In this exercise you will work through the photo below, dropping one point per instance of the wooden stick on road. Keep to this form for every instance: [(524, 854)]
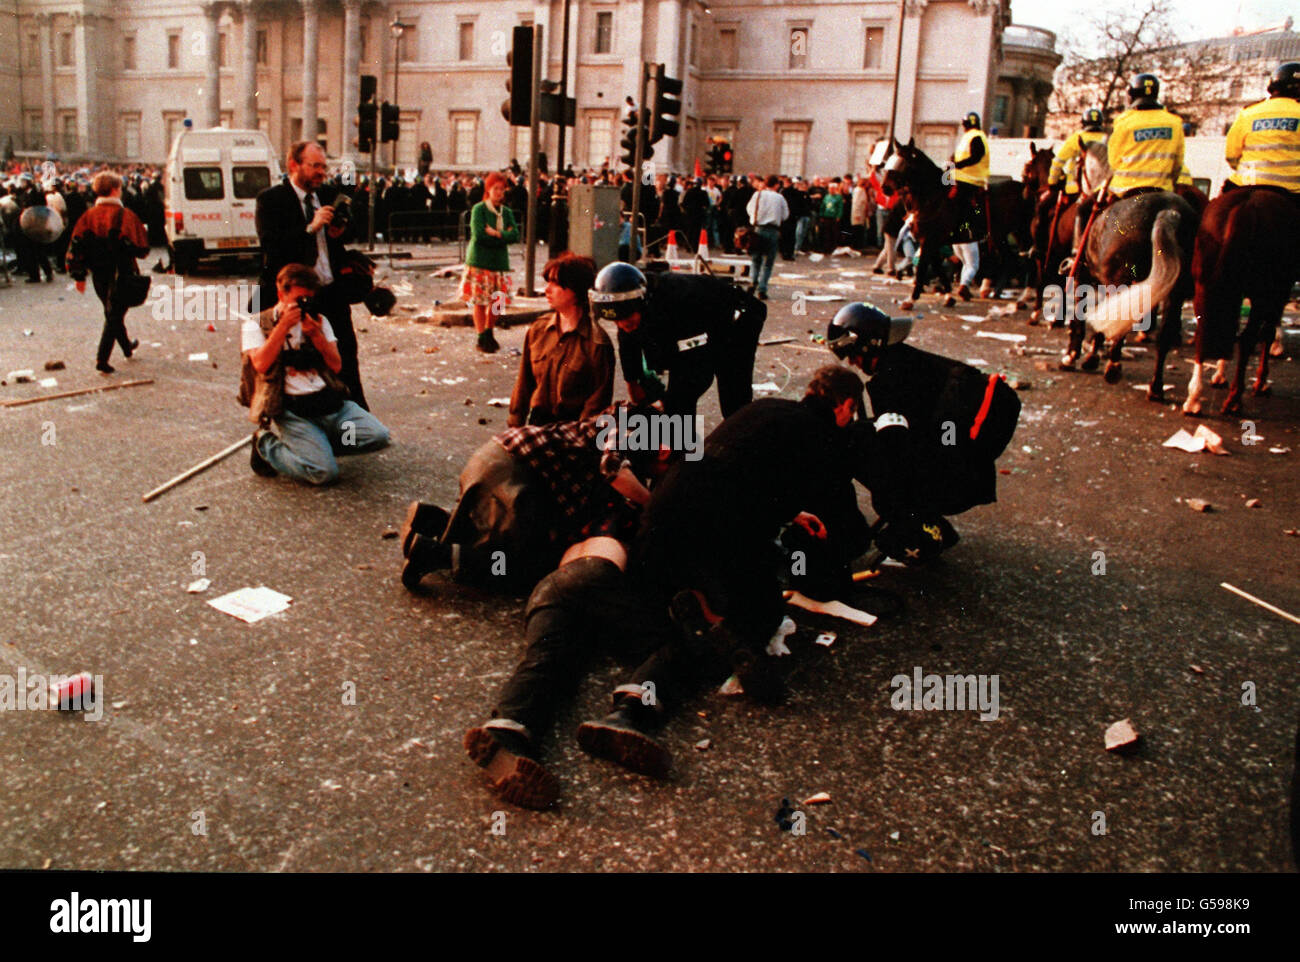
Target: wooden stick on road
[(84, 390), (201, 466), (1259, 601)]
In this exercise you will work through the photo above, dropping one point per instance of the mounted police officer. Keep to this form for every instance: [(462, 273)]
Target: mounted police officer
[(1067, 166), (937, 427), (694, 326), (1263, 147), (1145, 151), (971, 175)]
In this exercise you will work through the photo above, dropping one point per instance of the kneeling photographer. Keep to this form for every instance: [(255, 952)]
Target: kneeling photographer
[(291, 386)]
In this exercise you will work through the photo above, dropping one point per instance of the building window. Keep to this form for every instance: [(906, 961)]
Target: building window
[(262, 58), (466, 41), (33, 50), (1234, 90), (693, 45), (223, 50), (365, 41), (464, 133), (408, 45), (65, 50), (131, 136), (35, 130), (798, 48), (873, 56), (604, 32), (128, 52), (728, 53), (173, 123), (863, 142), (519, 144), (1000, 105), (68, 130), (600, 140), (791, 144), (173, 50), (936, 140)]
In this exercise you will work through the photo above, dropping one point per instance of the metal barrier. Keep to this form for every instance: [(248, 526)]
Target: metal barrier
[(417, 224)]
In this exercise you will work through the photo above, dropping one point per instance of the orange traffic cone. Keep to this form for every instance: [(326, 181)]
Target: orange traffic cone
[(672, 245), (703, 249)]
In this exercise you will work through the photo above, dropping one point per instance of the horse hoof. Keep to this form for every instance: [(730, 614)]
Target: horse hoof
[(1090, 362), (1034, 318), (1057, 324), (1113, 373), (964, 292), (986, 288), (949, 301), (1067, 362), (1216, 381), (1140, 337), (906, 305), (1153, 395), (1262, 390), (1232, 406), (1192, 408)]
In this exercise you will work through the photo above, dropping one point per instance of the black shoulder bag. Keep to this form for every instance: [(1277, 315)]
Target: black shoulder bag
[(129, 288)]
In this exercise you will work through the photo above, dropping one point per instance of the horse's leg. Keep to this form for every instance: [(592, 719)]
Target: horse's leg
[(918, 282), (1268, 307), (1168, 337), (1114, 361), (1220, 376), (1092, 359)]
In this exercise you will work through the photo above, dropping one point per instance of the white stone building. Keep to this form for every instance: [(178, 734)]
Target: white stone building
[(797, 87)]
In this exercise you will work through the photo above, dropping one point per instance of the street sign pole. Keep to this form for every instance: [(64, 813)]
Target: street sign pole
[(530, 233), (635, 247)]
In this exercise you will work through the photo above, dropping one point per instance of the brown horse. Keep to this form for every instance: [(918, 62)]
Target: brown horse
[(1248, 246), (1147, 236)]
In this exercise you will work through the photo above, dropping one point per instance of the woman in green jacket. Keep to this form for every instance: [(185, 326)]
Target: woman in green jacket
[(486, 282)]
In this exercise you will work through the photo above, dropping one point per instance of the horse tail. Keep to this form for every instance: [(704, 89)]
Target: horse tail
[(1116, 314)]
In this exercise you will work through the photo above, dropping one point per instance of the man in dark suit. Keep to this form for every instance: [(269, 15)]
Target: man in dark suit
[(294, 226)]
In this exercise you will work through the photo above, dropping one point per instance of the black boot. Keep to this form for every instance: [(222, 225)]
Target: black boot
[(426, 519), (426, 555), (619, 738), (507, 757)]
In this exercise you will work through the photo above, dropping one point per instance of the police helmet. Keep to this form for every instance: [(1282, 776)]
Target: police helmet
[(971, 121), (1145, 86), (1092, 119), (863, 330), (1285, 81), (619, 292)]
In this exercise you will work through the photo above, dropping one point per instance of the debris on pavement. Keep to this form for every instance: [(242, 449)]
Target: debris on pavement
[(198, 587), (1120, 734), (731, 686), (200, 356), (54, 365), (821, 798), (825, 639), (1001, 336), (251, 605), (1196, 504), (21, 377), (1253, 503), (703, 745), (1259, 601), (498, 402)]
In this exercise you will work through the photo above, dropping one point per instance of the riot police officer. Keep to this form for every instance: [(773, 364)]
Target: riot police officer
[(694, 326), (971, 173), (1067, 165), (1263, 146)]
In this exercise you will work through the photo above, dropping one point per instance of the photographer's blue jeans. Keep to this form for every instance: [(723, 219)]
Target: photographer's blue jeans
[(308, 448), (800, 232), (763, 257)]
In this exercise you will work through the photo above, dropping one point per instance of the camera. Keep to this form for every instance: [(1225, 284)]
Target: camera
[(308, 307), (342, 210)]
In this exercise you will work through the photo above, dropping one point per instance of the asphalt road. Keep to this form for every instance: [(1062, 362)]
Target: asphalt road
[(228, 746)]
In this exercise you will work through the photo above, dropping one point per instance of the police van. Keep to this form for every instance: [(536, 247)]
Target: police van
[(213, 179)]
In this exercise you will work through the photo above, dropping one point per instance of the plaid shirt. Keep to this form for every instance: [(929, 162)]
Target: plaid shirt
[(566, 457)]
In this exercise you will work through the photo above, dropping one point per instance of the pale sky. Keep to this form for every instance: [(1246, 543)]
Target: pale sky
[(1199, 19)]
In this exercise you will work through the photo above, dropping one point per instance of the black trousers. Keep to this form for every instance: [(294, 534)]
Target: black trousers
[(728, 356), (339, 312), (114, 320), (580, 610)]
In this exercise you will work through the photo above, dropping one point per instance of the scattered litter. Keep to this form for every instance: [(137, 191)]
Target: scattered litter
[(1279, 450), (119, 704), (783, 813), (840, 286), (1120, 734), (1196, 504), (1007, 311), (1293, 532), (1213, 443), (252, 604), (863, 852), (1002, 336), (330, 785), (75, 693), (816, 258), (1203, 440), (1024, 350), (853, 274), (823, 298), (1259, 601), (834, 834), (1197, 668), (1018, 384), (825, 639), (454, 380), (48, 382), (836, 609), (821, 798), (499, 402), (201, 356), (431, 349), (845, 251), (767, 386), (1253, 503), (775, 340), (389, 535), (1087, 424), (776, 645), (977, 362), (198, 587), (973, 318), (703, 745), (894, 835), (27, 332), (21, 377), (731, 686), (790, 276), (54, 365)]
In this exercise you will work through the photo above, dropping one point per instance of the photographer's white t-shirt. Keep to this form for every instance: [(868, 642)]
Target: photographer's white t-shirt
[(295, 382)]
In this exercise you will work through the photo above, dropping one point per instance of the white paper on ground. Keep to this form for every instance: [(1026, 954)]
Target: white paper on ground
[(836, 609), (252, 604), (791, 276), (823, 297), (1184, 441), (840, 286), (977, 362), (766, 386), (973, 318), (498, 402), (49, 382), (202, 356), (1000, 336), (198, 587)]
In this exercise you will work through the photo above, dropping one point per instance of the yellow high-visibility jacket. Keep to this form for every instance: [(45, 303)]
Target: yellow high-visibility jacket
[(1067, 165), (1263, 145), (1146, 150), (978, 172)]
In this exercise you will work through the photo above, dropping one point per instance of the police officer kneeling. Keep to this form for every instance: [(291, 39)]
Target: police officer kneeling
[(694, 326), (938, 427)]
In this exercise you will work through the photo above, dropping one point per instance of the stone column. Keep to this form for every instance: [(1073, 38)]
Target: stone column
[(210, 103), (88, 121), (668, 53), (247, 115), (310, 56), (351, 75), (909, 65), (45, 26)]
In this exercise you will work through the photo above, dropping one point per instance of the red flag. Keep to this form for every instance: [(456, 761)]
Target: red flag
[(698, 172)]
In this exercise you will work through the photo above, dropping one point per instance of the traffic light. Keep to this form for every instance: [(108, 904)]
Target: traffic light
[(668, 105), (389, 126), (367, 130), (518, 107), (628, 143), (722, 151)]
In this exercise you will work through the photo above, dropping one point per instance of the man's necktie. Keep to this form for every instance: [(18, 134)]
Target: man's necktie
[(309, 204)]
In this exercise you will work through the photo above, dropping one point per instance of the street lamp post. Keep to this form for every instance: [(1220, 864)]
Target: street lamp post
[(398, 28)]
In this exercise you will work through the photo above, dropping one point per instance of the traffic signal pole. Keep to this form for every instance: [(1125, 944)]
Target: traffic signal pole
[(530, 232), (637, 176)]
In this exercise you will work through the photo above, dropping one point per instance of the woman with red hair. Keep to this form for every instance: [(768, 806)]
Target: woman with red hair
[(485, 285)]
